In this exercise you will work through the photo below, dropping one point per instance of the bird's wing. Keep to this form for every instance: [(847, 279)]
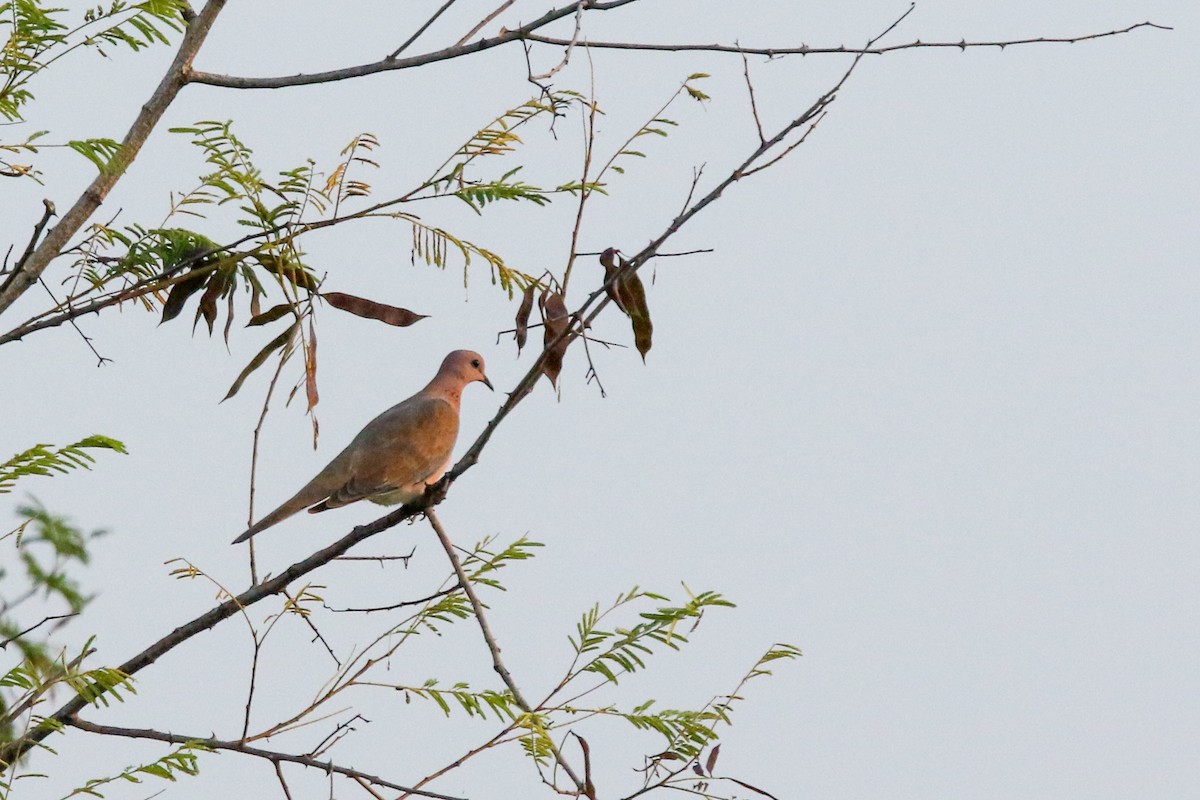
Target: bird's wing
[(402, 448)]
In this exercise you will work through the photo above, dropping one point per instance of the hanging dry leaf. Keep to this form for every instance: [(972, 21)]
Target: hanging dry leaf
[(554, 322), (310, 368), (228, 317), (255, 300), (207, 307), (523, 315), (279, 341), (290, 270), (369, 309), (629, 295), (639, 314), (179, 293), (270, 315), (712, 759)]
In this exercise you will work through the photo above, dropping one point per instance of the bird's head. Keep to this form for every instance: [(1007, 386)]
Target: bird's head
[(466, 366)]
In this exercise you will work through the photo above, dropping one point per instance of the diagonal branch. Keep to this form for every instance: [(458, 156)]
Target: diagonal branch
[(422, 29), (47, 213), (273, 756), (391, 63)]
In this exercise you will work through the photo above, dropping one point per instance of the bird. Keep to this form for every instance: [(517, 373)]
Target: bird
[(397, 455)]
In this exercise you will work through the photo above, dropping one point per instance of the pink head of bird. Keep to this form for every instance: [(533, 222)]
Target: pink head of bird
[(462, 367)]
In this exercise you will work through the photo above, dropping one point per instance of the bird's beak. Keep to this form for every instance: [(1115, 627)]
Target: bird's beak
[(487, 383)]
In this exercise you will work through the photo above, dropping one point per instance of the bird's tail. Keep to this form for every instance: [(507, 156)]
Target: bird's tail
[(297, 503)]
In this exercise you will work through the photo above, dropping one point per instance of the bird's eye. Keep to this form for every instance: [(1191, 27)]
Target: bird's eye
[(475, 363)]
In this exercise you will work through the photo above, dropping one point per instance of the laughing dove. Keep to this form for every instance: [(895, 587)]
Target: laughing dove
[(397, 454)]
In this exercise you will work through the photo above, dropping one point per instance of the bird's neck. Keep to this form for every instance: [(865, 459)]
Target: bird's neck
[(450, 391)]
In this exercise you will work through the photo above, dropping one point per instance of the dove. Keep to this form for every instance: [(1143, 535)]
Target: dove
[(397, 454)]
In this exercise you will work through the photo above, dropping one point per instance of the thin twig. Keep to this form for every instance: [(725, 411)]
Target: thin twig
[(394, 606), (47, 212), (380, 559), (336, 735), (317, 637), (589, 143), (4, 645), (805, 50), (592, 373), (279, 774), (422, 29), (753, 105), (262, 418), (479, 26), (86, 339)]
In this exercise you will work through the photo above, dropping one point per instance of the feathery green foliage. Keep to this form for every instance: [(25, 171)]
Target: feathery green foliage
[(41, 459), (36, 35), (476, 704), (181, 761)]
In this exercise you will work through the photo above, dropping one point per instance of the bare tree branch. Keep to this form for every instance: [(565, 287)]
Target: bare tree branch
[(4, 644), (48, 212), (390, 63), (805, 50)]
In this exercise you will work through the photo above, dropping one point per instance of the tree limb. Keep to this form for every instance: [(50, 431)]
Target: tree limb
[(391, 63), (241, 747)]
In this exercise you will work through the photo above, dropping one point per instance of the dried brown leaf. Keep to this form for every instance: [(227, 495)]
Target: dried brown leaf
[(554, 322), (179, 293), (639, 313), (310, 368), (228, 317), (207, 307), (270, 315), (712, 759), (627, 291), (369, 309), (523, 315), (279, 341), (291, 271)]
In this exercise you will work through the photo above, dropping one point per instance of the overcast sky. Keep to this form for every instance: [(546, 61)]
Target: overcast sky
[(928, 411)]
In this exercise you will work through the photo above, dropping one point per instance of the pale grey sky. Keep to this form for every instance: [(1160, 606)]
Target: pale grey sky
[(928, 412)]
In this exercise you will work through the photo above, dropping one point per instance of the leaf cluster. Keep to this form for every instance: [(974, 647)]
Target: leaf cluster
[(37, 35), (42, 459), (183, 761)]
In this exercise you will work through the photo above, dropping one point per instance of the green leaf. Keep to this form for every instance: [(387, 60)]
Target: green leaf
[(100, 152)]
